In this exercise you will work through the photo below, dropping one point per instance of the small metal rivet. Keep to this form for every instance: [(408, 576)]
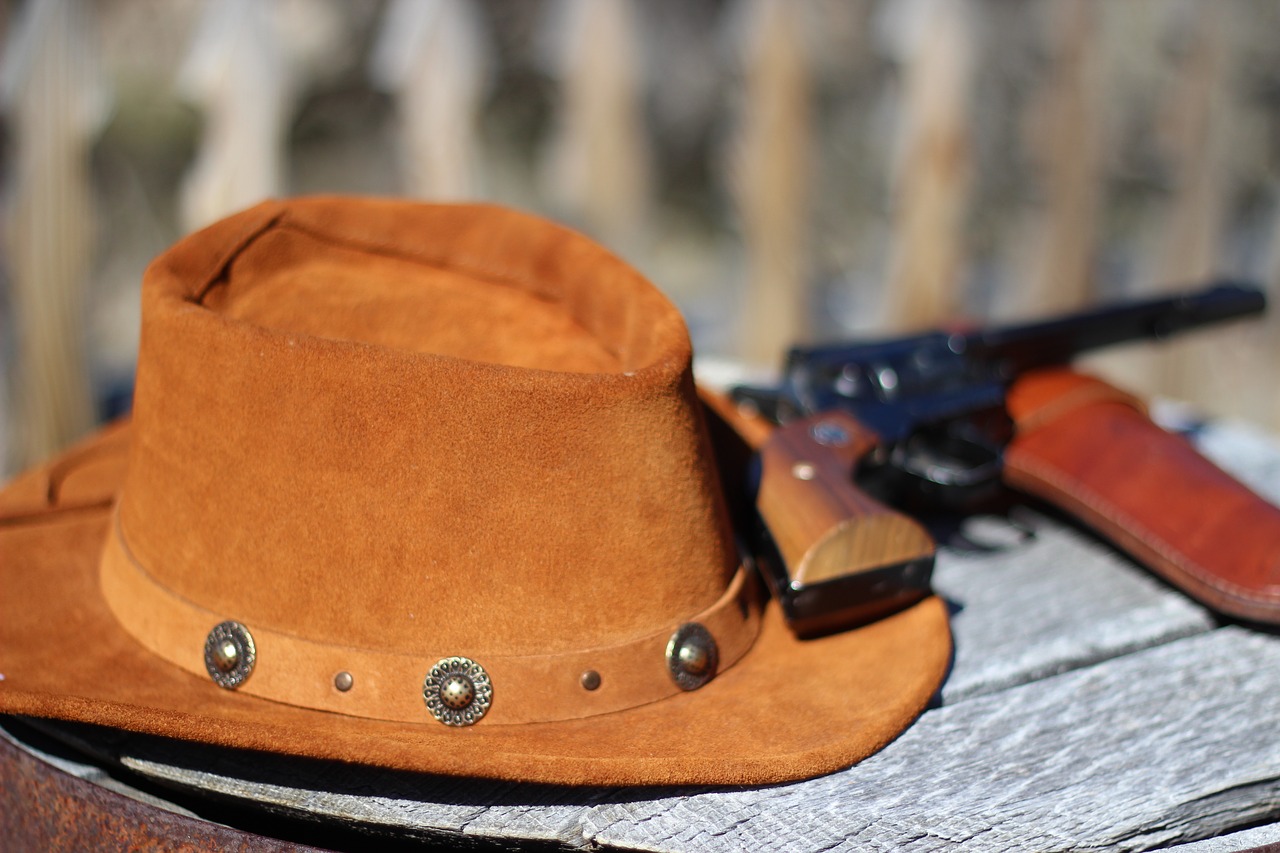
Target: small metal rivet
[(229, 654), (590, 680), (457, 691), (692, 656), (343, 681), (803, 471)]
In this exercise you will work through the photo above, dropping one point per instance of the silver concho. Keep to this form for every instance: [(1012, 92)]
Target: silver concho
[(457, 691), (229, 654), (692, 656)]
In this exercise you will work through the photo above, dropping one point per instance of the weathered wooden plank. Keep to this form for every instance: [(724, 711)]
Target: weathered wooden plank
[(1167, 745), (1260, 838), (1056, 601)]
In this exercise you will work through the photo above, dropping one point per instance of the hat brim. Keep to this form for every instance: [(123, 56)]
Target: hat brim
[(790, 709)]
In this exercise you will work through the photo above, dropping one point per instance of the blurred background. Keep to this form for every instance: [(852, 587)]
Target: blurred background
[(785, 170)]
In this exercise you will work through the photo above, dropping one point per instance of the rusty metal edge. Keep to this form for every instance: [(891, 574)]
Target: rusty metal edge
[(43, 807)]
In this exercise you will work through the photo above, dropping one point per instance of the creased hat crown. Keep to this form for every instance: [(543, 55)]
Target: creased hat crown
[(484, 443)]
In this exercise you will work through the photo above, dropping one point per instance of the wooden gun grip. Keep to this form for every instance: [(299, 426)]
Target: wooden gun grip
[(823, 525), (842, 558)]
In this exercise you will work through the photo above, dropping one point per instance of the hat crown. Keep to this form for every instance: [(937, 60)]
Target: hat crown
[(404, 427)]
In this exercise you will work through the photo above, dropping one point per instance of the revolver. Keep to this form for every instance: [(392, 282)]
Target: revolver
[(917, 423)]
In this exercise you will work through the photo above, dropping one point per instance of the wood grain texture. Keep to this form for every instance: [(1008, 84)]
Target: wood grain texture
[(1049, 602), (1264, 839), (823, 525), (1166, 745)]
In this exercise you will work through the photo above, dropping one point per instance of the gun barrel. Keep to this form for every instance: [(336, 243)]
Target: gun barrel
[(896, 385), (1057, 341), (1049, 342)]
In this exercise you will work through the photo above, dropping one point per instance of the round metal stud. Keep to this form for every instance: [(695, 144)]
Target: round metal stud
[(343, 681), (457, 691), (225, 656), (692, 656), (590, 680), (229, 654)]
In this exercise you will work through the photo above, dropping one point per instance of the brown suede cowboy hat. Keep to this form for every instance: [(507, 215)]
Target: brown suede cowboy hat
[(428, 488)]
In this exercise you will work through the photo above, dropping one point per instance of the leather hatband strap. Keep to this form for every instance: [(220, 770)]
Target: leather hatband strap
[(389, 686)]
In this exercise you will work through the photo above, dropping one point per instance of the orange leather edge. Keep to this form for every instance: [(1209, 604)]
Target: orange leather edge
[(1091, 450)]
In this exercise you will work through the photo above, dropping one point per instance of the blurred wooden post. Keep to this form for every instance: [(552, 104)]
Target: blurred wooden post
[(1066, 139), (769, 173), (432, 56), (237, 73), (55, 97), (1264, 407), (1197, 139), (597, 171), (932, 42), (1219, 371)]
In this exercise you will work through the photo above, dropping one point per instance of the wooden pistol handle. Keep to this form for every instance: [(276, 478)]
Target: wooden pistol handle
[(823, 525)]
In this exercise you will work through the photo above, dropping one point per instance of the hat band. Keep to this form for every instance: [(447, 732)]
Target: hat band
[(389, 686)]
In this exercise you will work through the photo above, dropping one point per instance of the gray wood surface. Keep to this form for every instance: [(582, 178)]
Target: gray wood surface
[(1090, 706), (1260, 838), (1171, 740), (1053, 602)]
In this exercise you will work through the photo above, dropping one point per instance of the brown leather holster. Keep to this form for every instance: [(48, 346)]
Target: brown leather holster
[(1091, 450)]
